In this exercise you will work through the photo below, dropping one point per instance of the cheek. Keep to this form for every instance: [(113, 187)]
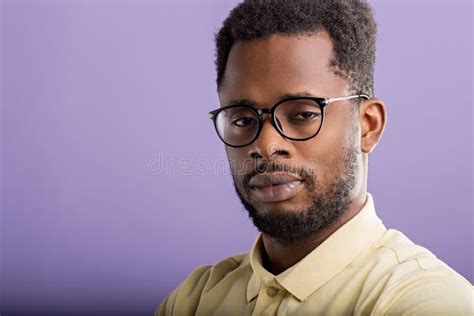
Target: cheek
[(237, 161), (324, 153), (318, 157)]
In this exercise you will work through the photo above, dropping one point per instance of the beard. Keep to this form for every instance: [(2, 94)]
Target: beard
[(328, 201)]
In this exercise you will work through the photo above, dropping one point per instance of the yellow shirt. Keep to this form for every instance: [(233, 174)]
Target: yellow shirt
[(361, 269)]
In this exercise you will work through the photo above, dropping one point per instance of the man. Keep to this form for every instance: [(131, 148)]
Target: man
[(298, 120)]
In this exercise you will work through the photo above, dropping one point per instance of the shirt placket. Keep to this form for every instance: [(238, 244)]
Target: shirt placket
[(269, 297)]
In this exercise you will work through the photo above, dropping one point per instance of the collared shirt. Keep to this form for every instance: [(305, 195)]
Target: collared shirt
[(361, 269)]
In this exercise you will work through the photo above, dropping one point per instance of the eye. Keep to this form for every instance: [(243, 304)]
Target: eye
[(306, 116), (244, 122)]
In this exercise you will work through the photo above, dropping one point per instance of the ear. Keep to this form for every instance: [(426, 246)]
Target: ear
[(373, 117)]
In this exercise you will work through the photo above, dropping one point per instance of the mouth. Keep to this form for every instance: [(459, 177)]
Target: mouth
[(275, 186)]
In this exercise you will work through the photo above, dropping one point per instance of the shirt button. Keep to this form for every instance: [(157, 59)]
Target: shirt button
[(271, 291)]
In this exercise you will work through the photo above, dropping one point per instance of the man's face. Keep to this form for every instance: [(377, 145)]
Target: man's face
[(321, 175)]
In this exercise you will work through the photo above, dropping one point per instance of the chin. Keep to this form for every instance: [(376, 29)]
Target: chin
[(293, 205)]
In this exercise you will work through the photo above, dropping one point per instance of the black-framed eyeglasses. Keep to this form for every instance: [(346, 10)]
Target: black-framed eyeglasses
[(297, 118)]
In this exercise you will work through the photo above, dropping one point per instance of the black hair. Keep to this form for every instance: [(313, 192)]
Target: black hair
[(350, 24)]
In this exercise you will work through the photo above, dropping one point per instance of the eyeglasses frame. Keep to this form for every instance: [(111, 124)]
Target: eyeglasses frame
[(322, 102)]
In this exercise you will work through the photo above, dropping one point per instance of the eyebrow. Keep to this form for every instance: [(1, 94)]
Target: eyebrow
[(249, 102), (242, 102), (302, 94)]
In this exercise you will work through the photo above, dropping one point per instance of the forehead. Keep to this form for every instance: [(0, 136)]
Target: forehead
[(265, 69)]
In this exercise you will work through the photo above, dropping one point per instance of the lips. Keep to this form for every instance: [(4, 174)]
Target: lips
[(275, 186)]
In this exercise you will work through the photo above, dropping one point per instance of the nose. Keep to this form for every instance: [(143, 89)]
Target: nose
[(270, 144)]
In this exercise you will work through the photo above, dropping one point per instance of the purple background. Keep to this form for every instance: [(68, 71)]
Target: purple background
[(92, 93)]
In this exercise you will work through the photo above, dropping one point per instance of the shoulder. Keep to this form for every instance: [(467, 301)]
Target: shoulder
[(402, 258), (414, 281), (185, 298)]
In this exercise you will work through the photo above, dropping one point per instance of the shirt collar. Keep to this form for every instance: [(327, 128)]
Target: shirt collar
[(324, 262)]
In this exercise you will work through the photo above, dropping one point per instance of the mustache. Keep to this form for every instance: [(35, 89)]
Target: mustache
[(275, 167)]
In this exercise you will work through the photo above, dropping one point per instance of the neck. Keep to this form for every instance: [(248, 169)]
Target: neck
[(278, 257)]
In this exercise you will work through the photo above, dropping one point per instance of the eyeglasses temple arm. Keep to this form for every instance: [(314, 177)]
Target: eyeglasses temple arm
[(331, 100)]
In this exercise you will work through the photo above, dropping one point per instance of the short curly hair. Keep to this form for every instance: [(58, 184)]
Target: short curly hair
[(350, 24)]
